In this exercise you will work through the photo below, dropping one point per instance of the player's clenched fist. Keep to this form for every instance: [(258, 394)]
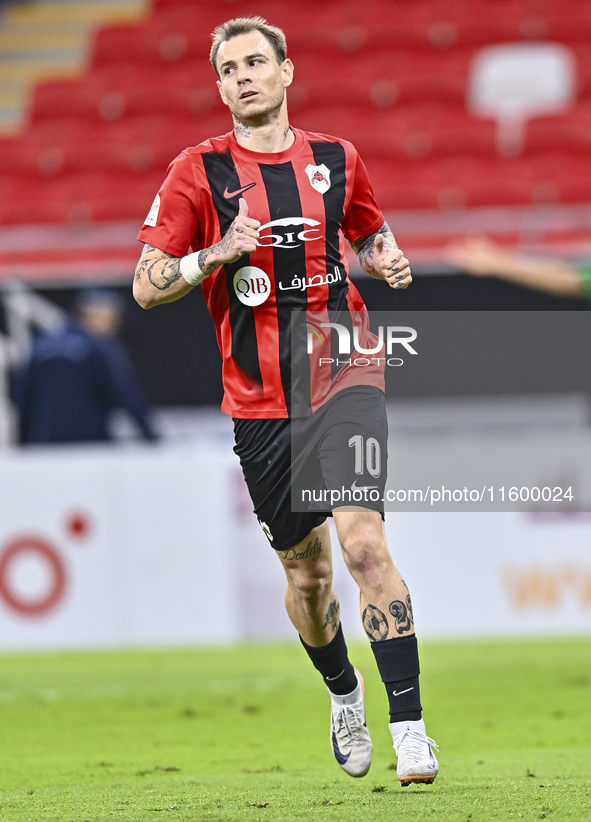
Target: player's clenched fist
[(391, 264), (241, 238)]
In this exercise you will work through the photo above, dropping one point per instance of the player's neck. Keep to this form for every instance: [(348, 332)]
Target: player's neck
[(269, 138)]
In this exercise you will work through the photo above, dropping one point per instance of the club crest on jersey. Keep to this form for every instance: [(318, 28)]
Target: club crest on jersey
[(152, 217), (319, 177)]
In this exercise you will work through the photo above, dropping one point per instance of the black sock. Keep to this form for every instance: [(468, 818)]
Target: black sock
[(333, 663), (398, 663)]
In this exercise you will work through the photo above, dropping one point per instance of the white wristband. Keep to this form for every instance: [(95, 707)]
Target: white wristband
[(190, 270)]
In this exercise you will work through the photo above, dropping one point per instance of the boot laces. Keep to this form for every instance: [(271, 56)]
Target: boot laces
[(347, 722), (414, 744)]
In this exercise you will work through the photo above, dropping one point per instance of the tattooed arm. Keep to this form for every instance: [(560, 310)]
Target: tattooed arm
[(158, 277), (381, 258)]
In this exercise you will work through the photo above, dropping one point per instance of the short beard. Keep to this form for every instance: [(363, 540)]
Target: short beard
[(263, 118)]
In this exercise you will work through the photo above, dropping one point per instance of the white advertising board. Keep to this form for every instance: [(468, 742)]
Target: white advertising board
[(158, 545), (114, 546)]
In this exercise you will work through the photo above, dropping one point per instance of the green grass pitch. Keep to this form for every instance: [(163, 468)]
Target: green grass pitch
[(242, 734)]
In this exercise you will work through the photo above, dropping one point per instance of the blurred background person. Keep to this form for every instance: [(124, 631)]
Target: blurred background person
[(78, 376), (483, 258)]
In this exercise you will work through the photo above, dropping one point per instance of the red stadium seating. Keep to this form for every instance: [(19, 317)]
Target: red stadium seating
[(568, 132), (390, 75), (413, 131), (122, 89)]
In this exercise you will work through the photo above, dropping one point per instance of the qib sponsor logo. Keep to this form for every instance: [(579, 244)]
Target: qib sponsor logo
[(251, 285)]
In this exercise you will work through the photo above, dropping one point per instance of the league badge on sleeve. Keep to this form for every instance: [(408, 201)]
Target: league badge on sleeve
[(152, 217), (319, 177)]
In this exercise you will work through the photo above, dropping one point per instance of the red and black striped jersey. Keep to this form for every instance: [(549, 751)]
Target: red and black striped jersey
[(309, 199)]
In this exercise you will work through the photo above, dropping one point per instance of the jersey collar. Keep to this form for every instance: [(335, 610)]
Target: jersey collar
[(263, 157)]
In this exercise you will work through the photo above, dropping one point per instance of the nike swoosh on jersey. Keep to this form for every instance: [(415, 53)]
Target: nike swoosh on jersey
[(341, 758), (229, 194)]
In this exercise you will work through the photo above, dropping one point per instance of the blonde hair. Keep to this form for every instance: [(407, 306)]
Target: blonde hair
[(244, 25)]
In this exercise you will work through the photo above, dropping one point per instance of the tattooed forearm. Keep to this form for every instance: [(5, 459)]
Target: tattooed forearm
[(163, 269), (311, 551), (375, 623), (207, 265), (365, 248), (402, 615), (332, 616)]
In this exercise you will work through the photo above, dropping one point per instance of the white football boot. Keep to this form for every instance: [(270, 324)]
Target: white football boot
[(414, 749), (349, 737)]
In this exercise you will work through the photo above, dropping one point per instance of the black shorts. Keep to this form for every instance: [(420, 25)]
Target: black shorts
[(298, 470)]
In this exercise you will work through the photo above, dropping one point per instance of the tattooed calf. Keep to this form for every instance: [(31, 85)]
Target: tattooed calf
[(375, 623), (400, 612), (409, 606), (332, 616)]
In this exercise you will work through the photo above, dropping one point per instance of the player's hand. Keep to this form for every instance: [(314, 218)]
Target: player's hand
[(391, 264), (241, 238)]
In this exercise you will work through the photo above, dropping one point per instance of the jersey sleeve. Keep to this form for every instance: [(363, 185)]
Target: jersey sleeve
[(172, 221), (362, 214)]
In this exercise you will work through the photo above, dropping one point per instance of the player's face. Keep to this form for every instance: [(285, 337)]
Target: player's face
[(252, 83)]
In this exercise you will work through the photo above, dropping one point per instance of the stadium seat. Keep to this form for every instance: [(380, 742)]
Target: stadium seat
[(582, 53), (408, 131), (149, 43), (469, 180), (77, 197), (383, 77), (140, 143), (27, 199), (115, 90), (569, 132), (124, 196)]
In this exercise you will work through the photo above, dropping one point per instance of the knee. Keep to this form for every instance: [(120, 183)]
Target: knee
[(310, 589), (365, 556)]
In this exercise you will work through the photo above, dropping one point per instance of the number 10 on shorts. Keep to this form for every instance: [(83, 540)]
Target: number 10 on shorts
[(372, 453)]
